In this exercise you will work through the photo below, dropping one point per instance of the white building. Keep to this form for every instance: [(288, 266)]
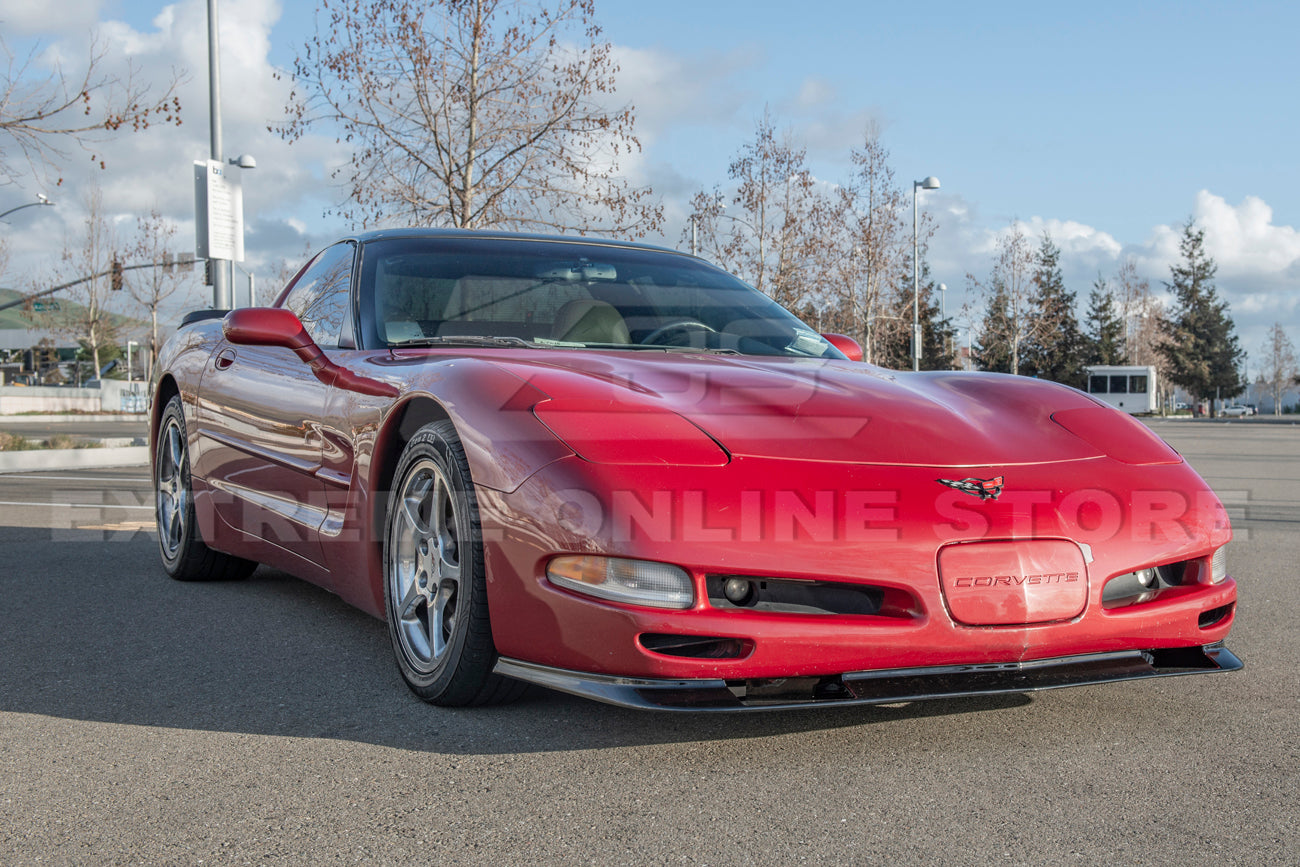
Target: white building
[(1129, 387)]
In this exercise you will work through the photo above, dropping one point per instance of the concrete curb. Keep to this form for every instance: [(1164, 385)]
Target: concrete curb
[(73, 459), (71, 417)]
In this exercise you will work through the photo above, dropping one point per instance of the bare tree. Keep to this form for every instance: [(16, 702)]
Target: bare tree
[(1143, 314), (1009, 293), (471, 113), (85, 311), (281, 272), (874, 246), (774, 233), (150, 287), (1279, 371), (45, 113)]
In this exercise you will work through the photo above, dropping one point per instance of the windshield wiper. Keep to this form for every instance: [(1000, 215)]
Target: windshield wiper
[(650, 347), (462, 340)]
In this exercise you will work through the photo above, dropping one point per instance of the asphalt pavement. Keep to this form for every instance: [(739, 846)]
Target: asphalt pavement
[(146, 720)]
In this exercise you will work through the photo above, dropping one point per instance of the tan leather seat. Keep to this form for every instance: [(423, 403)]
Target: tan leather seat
[(590, 321)]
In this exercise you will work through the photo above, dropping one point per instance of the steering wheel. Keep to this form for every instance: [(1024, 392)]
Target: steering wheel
[(685, 323)]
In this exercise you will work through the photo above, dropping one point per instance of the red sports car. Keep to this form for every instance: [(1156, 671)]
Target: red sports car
[(618, 471)]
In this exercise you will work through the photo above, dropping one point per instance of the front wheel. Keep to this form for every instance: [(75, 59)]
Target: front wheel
[(185, 556), (435, 594)]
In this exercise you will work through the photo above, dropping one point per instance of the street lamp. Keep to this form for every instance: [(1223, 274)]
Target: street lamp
[(40, 200), (252, 286), (930, 183), (943, 313)]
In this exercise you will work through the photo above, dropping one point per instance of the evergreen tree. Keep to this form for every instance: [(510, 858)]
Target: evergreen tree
[(993, 346), (1105, 335), (1056, 347), (938, 335), (1200, 342)]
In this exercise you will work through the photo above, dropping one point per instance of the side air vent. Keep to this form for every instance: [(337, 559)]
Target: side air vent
[(696, 646), (1213, 617)]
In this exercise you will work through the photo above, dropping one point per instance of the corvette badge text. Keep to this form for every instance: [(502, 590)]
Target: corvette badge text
[(1015, 580)]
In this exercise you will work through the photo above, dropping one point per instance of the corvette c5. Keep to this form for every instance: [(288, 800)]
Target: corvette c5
[(618, 471)]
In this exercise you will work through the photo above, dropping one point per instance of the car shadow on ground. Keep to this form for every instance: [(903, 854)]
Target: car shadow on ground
[(94, 630)]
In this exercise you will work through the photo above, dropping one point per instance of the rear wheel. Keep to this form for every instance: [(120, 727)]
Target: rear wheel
[(184, 554), (435, 594)]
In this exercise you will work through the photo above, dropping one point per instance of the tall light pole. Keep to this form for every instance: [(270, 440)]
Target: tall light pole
[(221, 296), (930, 183), (943, 313)]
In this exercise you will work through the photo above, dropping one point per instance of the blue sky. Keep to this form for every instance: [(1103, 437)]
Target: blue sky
[(1108, 123)]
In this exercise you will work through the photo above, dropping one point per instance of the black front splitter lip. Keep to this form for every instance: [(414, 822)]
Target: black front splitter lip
[(876, 687)]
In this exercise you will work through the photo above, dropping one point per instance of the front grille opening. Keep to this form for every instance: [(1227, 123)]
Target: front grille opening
[(1214, 616), (807, 597), (1142, 585), (696, 646)]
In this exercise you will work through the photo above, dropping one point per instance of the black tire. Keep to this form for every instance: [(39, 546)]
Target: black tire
[(184, 554), (435, 593)]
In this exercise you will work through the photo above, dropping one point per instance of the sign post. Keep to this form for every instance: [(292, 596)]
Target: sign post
[(218, 222)]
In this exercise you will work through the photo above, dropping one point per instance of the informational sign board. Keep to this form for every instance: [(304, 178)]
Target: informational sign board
[(218, 211)]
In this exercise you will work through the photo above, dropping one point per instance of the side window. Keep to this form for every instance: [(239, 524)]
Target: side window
[(321, 296)]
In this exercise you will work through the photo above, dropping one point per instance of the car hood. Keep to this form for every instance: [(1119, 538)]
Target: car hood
[(812, 409)]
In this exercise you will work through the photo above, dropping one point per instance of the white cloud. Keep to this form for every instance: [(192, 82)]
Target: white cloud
[(64, 16), (814, 93), (670, 91), (1243, 239), (152, 169), (1075, 239)]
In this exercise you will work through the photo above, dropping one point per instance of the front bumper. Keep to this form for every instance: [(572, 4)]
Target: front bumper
[(740, 520), (876, 687)]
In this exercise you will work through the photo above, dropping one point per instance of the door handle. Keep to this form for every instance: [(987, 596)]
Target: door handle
[(225, 358)]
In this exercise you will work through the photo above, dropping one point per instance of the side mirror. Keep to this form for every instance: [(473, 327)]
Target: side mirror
[(266, 326), (850, 347), (276, 326)]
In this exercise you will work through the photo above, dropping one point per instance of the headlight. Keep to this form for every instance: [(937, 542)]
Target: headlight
[(1219, 565), (637, 582)]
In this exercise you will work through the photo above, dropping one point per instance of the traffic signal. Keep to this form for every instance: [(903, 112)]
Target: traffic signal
[(116, 272)]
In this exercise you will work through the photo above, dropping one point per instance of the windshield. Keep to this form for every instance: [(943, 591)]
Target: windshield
[(489, 291)]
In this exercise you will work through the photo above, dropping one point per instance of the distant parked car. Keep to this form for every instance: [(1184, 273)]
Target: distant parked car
[(1235, 411)]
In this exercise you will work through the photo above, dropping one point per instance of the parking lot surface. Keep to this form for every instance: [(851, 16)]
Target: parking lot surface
[(143, 719)]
